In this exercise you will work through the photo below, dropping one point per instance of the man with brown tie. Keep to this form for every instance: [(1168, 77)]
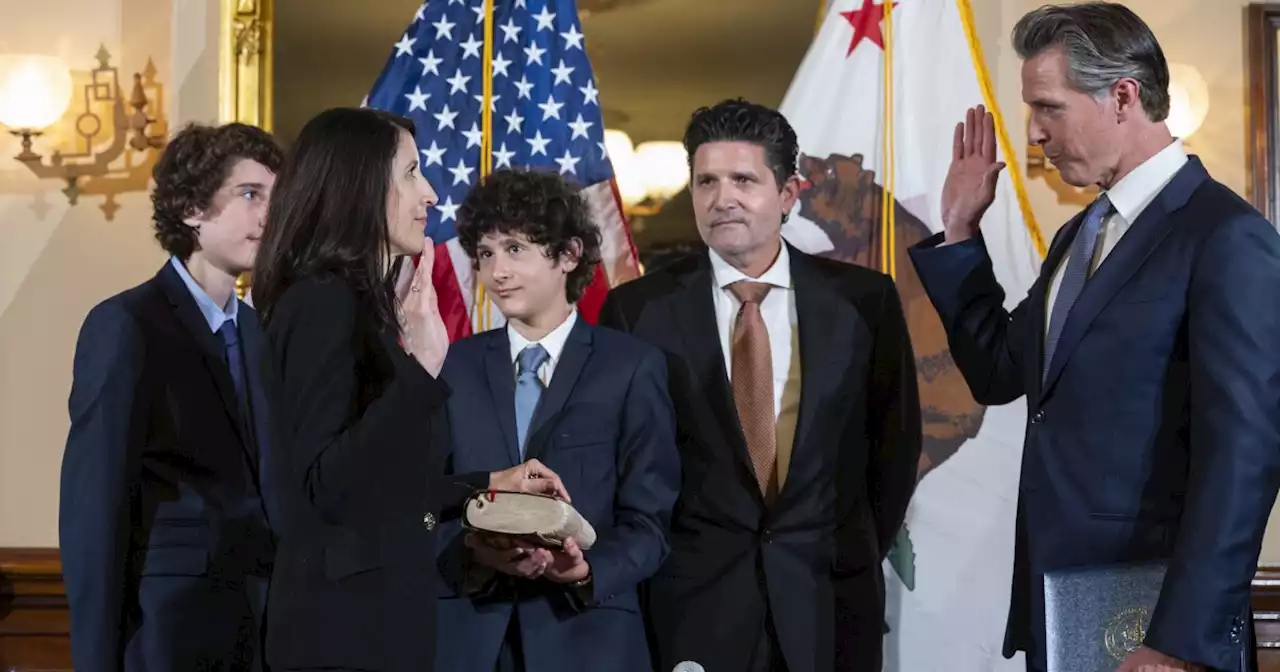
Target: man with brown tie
[(798, 421)]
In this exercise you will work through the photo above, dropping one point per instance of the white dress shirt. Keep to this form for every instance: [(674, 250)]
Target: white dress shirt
[(1129, 197), (553, 343), (778, 311)]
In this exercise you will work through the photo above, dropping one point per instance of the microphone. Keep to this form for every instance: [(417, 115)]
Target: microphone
[(688, 666)]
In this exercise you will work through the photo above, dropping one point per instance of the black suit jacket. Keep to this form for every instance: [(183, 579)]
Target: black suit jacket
[(359, 479), (164, 536), (813, 559), (606, 426), (1156, 434)]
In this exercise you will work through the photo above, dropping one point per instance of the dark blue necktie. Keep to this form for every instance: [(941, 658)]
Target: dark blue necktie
[(1075, 275), (528, 389), (231, 353)]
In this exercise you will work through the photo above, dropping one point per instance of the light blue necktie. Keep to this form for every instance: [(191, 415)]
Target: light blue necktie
[(1075, 275), (528, 389)]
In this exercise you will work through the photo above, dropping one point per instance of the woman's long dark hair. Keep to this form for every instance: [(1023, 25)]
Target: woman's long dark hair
[(328, 212)]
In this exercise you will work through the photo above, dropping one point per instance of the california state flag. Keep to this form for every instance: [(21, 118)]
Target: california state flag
[(870, 125)]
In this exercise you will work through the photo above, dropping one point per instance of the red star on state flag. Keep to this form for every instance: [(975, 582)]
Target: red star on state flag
[(866, 24)]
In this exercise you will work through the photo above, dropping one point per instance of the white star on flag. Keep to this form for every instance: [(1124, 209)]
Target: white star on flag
[(545, 19), (514, 120), (538, 144), (567, 162), (433, 154), (525, 88), (493, 101), (562, 73), (503, 157), (448, 211), (510, 31), (461, 174), (580, 127), (445, 117), (550, 108), (590, 93), (572, 39), (405, 46), (500, 65), (534, 52), (444, 29), (431, 64), (458, 82), (417, 99), (474, 136), (471, 47)]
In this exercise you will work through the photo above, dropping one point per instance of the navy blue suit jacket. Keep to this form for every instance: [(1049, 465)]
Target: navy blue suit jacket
[(605, 424), (1156, 433), (164, 535)]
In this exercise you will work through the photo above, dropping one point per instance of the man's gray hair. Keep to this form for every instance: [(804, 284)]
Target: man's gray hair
[(1103, 43)]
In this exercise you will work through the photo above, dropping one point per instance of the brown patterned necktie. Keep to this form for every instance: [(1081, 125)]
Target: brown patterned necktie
[(752, 379)]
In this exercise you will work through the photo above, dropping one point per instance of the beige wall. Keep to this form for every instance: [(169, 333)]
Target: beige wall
[(56, 261)]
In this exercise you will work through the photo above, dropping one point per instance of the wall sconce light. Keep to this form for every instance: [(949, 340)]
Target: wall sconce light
[(649, 175), (35, 92), (1188, 101)]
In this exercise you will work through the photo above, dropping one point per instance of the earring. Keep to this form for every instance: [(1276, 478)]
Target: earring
[(785, 217)]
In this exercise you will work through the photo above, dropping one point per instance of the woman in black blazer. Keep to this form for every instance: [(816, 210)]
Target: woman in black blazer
[(361, 437)]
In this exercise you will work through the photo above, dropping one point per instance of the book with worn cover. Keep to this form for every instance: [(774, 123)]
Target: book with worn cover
[(1095, 616), (540, 519)]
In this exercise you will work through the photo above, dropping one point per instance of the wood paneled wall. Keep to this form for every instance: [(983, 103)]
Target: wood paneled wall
[(34, 619), (35, 626)]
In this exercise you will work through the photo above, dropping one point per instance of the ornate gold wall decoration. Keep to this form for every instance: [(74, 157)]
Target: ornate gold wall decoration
[(245, 73), (108, 140)]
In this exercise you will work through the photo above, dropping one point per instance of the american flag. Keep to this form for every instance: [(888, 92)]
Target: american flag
[(545, 111)]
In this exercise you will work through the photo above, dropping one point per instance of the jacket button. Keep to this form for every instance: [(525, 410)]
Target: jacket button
[(1038, 417), (429, 521)]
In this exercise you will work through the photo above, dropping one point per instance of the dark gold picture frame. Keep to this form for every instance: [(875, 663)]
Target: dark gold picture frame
[(1262, 71)]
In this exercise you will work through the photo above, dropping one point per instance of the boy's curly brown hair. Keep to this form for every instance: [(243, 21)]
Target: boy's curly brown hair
[(193, 167), (541, 205)]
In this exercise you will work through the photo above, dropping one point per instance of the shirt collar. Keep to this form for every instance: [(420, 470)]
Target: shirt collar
[(778, 275), (1135, 191), (213, 315), (553, 342)]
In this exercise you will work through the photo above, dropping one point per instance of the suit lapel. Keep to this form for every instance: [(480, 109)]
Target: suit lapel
[(1125, 259), (502, 387), (825, 327), (184, 306), (577, 350), (694, 313)]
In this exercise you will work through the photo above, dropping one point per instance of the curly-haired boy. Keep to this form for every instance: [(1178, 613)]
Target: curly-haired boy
[(592, 405), (164, 528)]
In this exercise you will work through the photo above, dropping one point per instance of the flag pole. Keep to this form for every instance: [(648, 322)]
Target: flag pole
[(486, 145), (888, 261)]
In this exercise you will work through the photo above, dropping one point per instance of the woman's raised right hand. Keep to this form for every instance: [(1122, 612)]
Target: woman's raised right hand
[(421, 326)]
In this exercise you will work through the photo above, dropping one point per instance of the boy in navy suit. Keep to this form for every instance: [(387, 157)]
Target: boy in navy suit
[(592, 404), (165, 531)]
